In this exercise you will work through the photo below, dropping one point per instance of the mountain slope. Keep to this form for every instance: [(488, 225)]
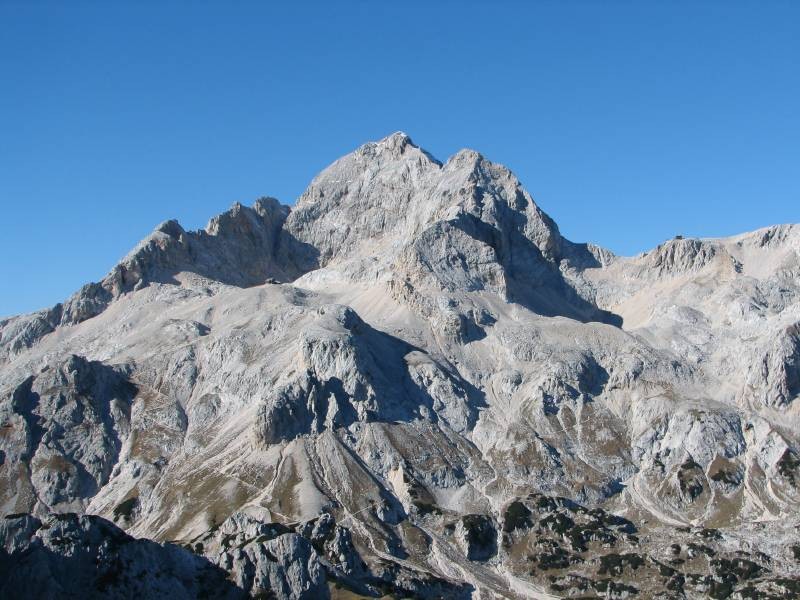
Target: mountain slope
[(415, 356)]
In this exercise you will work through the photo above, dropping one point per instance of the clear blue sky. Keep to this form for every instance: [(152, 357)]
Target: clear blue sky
[(629, 122)]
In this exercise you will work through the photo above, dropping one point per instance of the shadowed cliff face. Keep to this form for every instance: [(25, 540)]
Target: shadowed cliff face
[(410, 383), (350, 372), (71, 556)]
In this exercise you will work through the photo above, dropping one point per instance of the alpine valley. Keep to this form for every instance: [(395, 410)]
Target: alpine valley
[(408, 385)]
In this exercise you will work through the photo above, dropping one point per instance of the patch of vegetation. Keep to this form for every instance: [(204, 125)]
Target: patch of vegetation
[(795, 551), (614, 588), (693, 550), (556, 558), (710, 534), (427, 508), (726, 477), (788, 466), (481, 536), (741, 568), (125, 508), (557, 523), (517, 516), (615, 564), (690, 479), (581, 535)]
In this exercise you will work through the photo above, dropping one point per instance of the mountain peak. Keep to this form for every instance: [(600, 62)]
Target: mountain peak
[(410, 372), (465, 156), (396, 139)]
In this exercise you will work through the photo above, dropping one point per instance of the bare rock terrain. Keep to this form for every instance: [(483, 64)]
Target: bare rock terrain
[(409, 384)]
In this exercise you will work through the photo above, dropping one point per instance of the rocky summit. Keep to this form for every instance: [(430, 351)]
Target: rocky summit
[(409, 384)]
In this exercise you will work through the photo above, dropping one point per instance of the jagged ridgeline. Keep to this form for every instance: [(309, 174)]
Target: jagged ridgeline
[(408, 384)]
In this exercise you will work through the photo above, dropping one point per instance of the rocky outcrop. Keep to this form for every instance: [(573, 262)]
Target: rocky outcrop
[(62, 433), (680, 255), (775, 378), (299, 560), (71, 556), (237, 248), (346, 372), (285, 566)]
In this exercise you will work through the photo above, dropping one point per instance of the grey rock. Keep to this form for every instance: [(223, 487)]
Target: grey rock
[(318, 393), (71, 556), (62, 433), (285, 566)]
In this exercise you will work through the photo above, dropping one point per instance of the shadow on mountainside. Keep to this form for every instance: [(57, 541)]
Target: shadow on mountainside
[(73, 556), (362, 374), (531, 280), (245, 251)]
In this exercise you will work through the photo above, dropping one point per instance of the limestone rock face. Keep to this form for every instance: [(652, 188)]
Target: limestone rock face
[(775, 378), (66, 423), (409, 383), (236, 247), (285, 566)]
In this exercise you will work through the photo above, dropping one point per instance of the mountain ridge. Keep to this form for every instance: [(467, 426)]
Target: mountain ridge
[(412, 377)]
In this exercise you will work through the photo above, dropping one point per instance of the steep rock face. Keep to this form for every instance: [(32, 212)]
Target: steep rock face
[(681, 255), (236, 247), (410, 383), (465, 225), (286, 566), (62, 433), (347, 372), (374, 190), (22, 332), (775, 378), (395, 190)]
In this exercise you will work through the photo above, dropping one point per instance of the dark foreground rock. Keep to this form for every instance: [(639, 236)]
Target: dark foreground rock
[(71, 556), (85, 556)]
